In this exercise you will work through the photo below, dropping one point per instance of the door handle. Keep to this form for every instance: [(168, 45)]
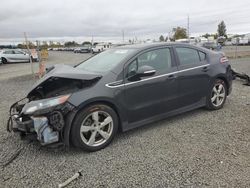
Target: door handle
[(205, 69), (171, 77)]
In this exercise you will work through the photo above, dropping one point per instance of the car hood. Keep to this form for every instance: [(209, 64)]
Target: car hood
[(67, 72)]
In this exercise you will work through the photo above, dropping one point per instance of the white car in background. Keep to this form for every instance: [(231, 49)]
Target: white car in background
[(13, 56), (34, 54), (100, 47)]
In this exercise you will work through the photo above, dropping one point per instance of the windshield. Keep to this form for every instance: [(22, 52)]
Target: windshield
[(105, 61)]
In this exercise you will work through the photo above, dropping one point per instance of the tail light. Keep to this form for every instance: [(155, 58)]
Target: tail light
[(223, 59)]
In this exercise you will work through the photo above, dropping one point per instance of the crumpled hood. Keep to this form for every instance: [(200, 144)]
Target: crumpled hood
[(65, 71)]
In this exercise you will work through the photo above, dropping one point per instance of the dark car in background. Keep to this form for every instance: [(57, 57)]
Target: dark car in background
[(120, 89), (211, 46)]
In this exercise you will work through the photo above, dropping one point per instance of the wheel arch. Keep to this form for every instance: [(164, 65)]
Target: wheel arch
[(2, 58), (72, 115), (221, 77)]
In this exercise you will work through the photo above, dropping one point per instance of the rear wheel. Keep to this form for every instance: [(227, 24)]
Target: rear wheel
[(4, 61), (94, 127), (217, 96)]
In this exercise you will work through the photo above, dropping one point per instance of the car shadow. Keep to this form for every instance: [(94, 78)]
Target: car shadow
[(120, 137), (123, 136), (157, 124)]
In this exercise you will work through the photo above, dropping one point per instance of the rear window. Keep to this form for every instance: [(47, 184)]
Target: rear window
[(202, 56), (188, 56)]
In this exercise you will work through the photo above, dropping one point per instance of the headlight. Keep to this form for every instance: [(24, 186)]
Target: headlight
[(34, 106)]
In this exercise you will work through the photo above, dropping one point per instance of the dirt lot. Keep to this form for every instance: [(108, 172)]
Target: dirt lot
[(237, 51), (20, 69), (196, 149)]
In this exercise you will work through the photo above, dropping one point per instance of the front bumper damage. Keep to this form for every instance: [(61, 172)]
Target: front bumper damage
[(46, 127)]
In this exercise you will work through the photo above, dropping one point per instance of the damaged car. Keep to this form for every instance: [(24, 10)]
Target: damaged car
[(120, 89)]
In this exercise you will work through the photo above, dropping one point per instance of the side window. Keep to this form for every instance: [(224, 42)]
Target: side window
[(8, 52), (18, 52), (159, 59), (202, 56), (188, 56), (132, 68)]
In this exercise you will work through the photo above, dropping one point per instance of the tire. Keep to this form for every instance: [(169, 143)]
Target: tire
[(4, 61), (217, 95), (94, 127)]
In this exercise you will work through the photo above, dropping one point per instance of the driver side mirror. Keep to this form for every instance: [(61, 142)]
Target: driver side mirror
[(142, 71), (145, 70)]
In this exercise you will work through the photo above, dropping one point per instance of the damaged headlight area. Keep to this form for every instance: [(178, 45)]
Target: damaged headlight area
[(44, 105), (43, 119)]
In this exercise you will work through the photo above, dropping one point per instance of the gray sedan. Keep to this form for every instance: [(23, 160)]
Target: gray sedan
[(13, 56)]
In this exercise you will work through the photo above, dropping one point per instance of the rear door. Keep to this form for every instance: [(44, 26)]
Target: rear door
[(193, 75), (153, 95), (21, 56)]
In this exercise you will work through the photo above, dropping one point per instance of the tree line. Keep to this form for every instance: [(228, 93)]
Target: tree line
[(181, 33)]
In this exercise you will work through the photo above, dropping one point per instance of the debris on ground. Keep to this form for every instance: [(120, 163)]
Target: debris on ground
[(13, 157), (242, 76), (68, 181)]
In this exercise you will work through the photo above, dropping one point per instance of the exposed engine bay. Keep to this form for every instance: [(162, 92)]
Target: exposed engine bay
[(42, 114)]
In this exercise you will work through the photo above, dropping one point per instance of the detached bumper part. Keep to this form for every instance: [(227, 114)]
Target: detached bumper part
[(242, 76), (22, 126), (45, 134), (36, 125)]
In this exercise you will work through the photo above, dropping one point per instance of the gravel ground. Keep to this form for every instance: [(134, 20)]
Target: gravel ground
[(196, 149)]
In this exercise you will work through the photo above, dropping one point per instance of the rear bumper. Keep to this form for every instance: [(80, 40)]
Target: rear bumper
[(230, 88)]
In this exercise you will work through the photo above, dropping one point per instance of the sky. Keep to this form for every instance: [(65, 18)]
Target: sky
[(106, 19)]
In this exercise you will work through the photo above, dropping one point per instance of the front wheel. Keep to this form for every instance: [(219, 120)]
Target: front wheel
[(217, 95), (94, 127)]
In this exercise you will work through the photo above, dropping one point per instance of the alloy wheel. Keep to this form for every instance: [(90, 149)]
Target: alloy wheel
[(96, 128), (218, 94)]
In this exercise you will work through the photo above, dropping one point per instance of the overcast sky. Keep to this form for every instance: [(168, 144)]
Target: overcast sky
[(107, 18)]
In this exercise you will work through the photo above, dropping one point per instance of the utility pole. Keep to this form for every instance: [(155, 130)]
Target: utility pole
[(92, 41), (188, 28), (122, 35), (27, 46), (39, 56)]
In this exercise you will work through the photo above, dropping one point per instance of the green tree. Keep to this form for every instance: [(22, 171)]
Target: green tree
[(179, 33), (206, 35), (86, 43), (222, 31), (21, 46), (70, 43), (161, 38)]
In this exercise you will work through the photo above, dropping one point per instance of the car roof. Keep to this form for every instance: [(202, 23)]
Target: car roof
[(153, 45)]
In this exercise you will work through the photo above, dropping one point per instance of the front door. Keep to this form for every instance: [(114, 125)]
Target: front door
[(153, 95)]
